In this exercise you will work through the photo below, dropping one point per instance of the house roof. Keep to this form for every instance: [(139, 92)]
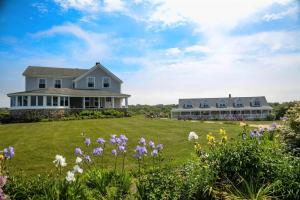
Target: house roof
[(70, 92), (213, 102), (98, 65), (53, 71)]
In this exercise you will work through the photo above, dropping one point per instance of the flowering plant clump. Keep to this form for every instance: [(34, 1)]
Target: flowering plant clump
[(223, 135), (7, 154), (193, 136), (210, 139)]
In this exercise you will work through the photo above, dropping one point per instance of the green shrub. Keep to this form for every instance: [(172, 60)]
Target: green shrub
[(291, 130), (108, 184), (159, 184)]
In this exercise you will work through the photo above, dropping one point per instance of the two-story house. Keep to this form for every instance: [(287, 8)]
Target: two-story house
[(68, 88), (222, 108)]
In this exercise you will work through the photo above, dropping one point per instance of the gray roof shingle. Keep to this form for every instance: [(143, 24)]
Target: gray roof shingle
[(53, 71)]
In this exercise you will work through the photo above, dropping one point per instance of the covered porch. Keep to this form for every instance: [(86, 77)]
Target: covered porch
[(65, 98)]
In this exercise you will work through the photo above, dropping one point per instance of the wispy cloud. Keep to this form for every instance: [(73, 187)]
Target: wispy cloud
[(42, 8), (82, 5), (95, 43), (293, 11)]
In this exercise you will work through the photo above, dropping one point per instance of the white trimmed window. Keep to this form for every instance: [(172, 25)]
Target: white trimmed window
[(106, 82), (57, 83), (42, 83), (91, 82)]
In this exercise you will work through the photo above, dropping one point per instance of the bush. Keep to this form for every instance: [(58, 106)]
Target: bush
[(108, 184), (291, 130), (159, 184)]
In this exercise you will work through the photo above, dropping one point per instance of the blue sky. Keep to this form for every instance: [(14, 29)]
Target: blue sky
[(162, 49)]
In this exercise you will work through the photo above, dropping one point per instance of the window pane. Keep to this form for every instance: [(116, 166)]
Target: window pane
[(106, 82), (87, 102), (49, 101), (25, 101), (62, 99), (55, 101), (40, 100), (57, 84), (108, 99), (91, 82), (12, 101), (19, 100), (66, 101), (33, 100), (42, 83)]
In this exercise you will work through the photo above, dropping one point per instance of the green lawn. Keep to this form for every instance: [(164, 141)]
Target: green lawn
[(36, 144)]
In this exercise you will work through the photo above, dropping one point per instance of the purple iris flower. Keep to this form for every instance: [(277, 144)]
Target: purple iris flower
[(78, 151), (271, 129), (97, 151), (142, 141), (100, 141), (274, 125), (160, 147), (123, 138), (261, 130), (122, 148), (140, 151), (87, 158), (9, 152), (87, 141), (118, 141), (113, 139), (151, 144), (154, 153), (114, 152)]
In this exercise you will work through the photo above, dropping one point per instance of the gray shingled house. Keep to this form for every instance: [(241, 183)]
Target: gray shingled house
[(222, 108), (69, 88)]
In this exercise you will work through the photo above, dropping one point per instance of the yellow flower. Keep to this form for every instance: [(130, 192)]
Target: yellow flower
[(222, 131), (1, 157), (210, 139)]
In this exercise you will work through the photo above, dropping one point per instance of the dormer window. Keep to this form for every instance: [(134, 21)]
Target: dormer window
[(255, 103), (42, 83), (91, 82), (221, 104), (238, 103), (106, 82), (57, 83), (204, 104)]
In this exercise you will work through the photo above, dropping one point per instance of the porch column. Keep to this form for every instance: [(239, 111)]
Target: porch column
[(44, 101), (28, 100), (83, 102), (113, 102), (69, 102), (126, 102), (98, 102)]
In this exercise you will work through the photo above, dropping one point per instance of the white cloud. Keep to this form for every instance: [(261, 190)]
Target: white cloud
[(95, 43), (114, 5), (82, 5), (42, 8), (207, 15), (276, 16), (243, 66)]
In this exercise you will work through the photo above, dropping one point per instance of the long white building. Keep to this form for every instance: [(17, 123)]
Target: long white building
[(229, 108)]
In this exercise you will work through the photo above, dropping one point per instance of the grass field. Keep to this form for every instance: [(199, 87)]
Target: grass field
[(36, 144)]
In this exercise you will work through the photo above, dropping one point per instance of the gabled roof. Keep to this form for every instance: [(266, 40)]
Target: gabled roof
[(98, 65), (53, 71)]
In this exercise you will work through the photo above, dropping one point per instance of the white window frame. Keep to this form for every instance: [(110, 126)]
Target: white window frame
[(87, 81), (57, 80), (109, 79), (39, 83)]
